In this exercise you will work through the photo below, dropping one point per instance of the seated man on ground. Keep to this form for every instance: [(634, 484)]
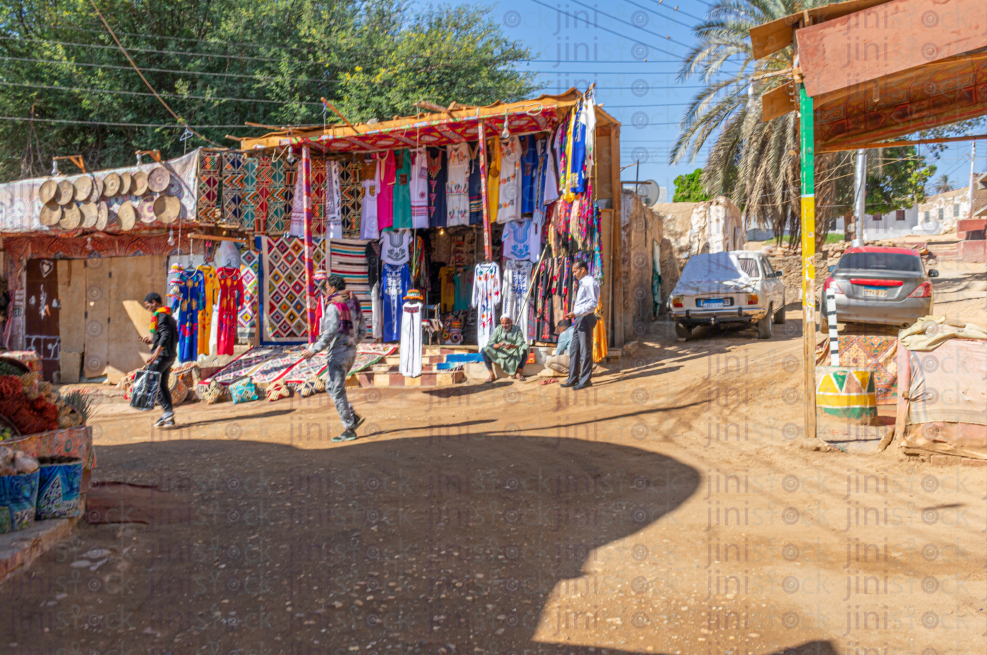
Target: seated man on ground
[(559, 362), (508, 348)]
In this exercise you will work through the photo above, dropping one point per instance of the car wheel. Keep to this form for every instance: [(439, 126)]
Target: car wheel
[(764, 325), (683, 331), (780, 314)]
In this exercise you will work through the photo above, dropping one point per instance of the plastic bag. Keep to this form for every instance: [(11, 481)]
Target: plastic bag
[(145, 390)]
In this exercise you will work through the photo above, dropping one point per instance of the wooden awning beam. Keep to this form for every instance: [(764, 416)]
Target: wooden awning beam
[(900, 144)]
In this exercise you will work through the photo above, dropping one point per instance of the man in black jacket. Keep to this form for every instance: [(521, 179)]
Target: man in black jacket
[(164, 349)]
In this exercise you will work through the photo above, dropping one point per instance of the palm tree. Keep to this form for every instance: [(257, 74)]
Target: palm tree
[(943, 184), (755, 163)]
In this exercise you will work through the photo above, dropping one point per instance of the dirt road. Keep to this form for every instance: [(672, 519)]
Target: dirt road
[(664, 510)]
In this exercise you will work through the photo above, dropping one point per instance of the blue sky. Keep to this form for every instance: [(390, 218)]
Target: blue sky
[(632, 49)]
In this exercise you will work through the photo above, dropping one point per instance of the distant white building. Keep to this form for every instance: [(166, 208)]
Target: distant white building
[(947, 208)]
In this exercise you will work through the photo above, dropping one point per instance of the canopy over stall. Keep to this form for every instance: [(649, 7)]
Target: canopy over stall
[(866, 71), (880, 69)]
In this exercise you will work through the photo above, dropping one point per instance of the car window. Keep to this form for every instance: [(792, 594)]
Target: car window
[(881, 261), (768, 271), (749, 266)]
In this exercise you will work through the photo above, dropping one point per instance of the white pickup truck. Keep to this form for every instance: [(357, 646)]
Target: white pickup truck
[(728, 287)]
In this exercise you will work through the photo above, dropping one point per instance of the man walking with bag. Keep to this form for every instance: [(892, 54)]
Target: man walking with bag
[(583, 315), (342, 328), (164, 349)]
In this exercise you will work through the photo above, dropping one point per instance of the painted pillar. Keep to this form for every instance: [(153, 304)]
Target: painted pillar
[(305, 170), (807, 134), (487, 237)]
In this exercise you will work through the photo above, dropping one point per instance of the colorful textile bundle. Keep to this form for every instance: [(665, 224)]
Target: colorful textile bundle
[(278, 390), (244, 391), (214, 393)]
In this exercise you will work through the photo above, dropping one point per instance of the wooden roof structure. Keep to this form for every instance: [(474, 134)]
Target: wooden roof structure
[(880, 69), (456, 125)]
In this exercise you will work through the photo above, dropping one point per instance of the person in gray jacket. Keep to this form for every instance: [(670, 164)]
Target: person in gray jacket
[(341, 329)]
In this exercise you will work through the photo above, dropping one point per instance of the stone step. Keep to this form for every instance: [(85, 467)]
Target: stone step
[(431, 379), (393, 368)]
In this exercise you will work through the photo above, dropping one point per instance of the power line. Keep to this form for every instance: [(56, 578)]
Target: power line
[(612, 17), (60, 120), (676, 9), (178, 38), (162, 70), (109, 47), (645, 45), (661, 15), (137, 93)]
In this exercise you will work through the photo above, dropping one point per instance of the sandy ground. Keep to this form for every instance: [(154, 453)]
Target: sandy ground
[(664, 510)]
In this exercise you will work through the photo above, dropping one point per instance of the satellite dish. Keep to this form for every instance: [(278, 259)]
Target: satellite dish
[(649, 192)]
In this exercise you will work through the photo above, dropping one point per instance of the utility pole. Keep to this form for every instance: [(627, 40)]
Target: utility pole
[(860, 195), (973, 175)]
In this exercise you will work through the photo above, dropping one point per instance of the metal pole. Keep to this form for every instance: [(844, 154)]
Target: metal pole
[(807, 134), (860, 195), (305, 171), (973, 175), (487, 237)]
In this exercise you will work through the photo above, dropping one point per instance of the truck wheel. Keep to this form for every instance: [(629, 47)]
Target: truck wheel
[(780, 314), (683, 331), (764, 325)]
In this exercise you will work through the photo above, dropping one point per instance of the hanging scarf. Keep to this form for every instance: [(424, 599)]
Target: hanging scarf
[(154, 318), (345, 309)]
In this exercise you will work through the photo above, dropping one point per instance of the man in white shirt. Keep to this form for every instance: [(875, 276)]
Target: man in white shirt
[(584, 320)]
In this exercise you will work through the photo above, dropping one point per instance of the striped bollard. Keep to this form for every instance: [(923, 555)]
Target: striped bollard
[(834, 341)]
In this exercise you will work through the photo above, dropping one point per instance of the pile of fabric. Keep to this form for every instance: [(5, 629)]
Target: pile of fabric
[(181, 382)]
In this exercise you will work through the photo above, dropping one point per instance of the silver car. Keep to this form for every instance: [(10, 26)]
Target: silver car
[(886, 286), (728, 287)]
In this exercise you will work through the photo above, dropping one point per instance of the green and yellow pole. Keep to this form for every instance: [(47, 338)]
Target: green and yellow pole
[(808, 260)]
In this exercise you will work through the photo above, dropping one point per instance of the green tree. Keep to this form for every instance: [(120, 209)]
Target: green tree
[(943, 184), (690, 188), (896, 185), (221, 63)]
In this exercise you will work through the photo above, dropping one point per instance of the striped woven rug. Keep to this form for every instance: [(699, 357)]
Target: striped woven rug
[(348, 258)]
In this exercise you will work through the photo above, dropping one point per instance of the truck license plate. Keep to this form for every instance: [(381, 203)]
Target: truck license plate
[(873, 292)]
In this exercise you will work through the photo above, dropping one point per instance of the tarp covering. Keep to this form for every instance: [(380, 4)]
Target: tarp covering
[(713, 273)]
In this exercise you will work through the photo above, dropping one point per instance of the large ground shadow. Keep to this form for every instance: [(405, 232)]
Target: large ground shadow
[(449, 543)]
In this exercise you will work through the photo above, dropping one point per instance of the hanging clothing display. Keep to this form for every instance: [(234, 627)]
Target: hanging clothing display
[(370, 187), (529, 174), (230, 299), (372, 252), (375, 309), (493, 178), (437, 176), (206, 275), (447, 292), (515, 286), (296, 227), (486, 297), (475, 187), (522, 240), (577, 163), (334, 201), (401, 191), (411, 340), (385, 191), (393, 289), (396, 247), (457, 185), (509, 178), (418, 188), (189, 300), (462, 279)]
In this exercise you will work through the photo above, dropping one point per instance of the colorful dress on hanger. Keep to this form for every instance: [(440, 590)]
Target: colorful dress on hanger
[(395, 247), (486, 297), (517, 273), (230, 300), (475, 188), (210, 294), (493, 178), (401, 193), (457, 185), (411, 340), (188, 301), (393, 289), (334, 201), (370, 186), (385, 191), (509, 196), (437, 176), (447, 291), (522, 240), (418, 189), (529, 175)]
